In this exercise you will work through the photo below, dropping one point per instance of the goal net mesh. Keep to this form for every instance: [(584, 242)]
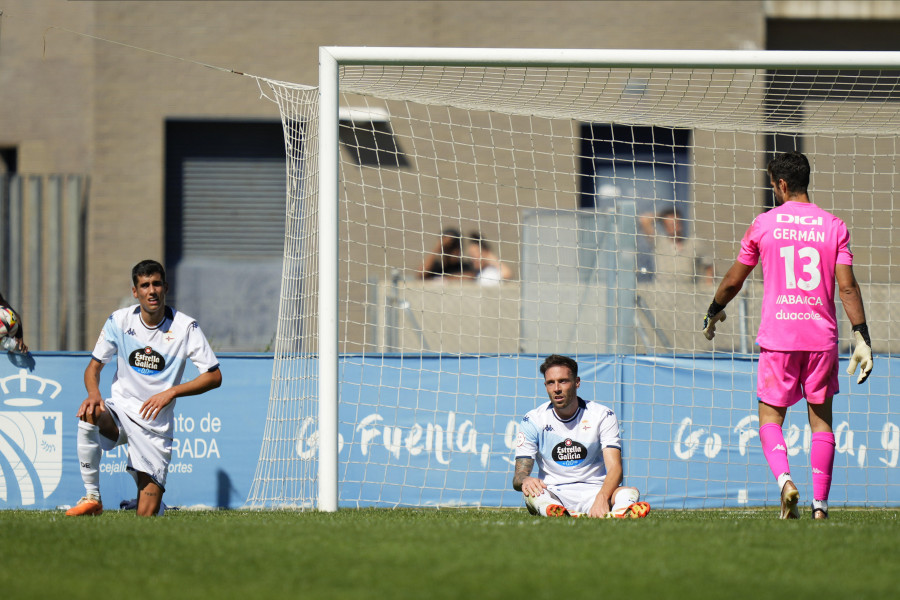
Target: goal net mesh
[(581, 211)]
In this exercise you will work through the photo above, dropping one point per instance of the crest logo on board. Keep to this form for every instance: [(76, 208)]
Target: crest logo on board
[(31, 449)]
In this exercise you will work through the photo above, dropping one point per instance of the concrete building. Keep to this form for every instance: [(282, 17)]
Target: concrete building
[(127, 93)]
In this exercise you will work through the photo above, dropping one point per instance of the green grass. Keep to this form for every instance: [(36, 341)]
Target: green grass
[(428, 553)]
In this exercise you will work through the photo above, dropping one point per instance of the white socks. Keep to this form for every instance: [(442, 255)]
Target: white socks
[(89, 454), (782, 479), (625, 498), (539, 504)]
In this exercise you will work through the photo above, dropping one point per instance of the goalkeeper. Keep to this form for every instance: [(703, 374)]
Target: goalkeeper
[(803, 250), (578, 451)]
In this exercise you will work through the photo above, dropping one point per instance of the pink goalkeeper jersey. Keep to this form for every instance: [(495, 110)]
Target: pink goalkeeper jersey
[(799, 245)]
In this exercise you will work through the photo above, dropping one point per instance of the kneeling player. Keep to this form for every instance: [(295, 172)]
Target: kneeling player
[(578, 450), (151, 343)]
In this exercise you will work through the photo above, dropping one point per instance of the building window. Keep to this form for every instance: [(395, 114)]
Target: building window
[(648, 166), (367, 136)]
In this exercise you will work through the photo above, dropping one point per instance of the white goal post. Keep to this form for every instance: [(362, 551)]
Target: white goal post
[(570, 164)]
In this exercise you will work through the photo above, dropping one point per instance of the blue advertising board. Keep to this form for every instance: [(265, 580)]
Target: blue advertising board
[(215, 451), (441, 430)]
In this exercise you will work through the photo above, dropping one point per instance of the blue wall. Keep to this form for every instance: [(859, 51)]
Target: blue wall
[(218, 435), (439, 431), (689, 430)]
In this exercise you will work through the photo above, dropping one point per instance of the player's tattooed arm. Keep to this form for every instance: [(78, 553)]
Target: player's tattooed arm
[(523, 470)]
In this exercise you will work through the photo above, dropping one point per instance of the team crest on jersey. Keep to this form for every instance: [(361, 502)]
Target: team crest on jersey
[(147, 361), (569, 453)]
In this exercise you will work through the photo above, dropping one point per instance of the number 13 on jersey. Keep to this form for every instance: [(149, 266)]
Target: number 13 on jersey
[(811, 276)]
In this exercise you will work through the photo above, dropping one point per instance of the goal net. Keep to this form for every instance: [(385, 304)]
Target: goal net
[(477, 210)]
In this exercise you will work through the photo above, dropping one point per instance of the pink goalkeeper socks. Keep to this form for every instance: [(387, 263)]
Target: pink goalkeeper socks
[(821, 458), (774, 448)]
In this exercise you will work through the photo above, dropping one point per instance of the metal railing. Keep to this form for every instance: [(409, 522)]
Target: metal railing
[(42, 247)]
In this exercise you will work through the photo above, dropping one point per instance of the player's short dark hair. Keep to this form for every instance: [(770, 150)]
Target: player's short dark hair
[(557, 360), (793, 168), (145, 268)]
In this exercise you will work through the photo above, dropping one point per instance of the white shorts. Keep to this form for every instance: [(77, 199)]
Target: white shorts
[(148, 452), (576, 497)]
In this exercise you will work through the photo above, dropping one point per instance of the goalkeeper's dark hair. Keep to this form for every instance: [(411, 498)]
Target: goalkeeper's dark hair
[(793, 168), (557, 360), (145, 268)]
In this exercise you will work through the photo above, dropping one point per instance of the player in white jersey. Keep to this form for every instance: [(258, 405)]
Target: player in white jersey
[(578, 450), (152, 343)]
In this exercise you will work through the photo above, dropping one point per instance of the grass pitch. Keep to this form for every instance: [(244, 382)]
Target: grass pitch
[(449, 553)]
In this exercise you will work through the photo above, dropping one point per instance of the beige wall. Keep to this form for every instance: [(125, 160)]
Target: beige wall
[(92, 106), (47, 99)]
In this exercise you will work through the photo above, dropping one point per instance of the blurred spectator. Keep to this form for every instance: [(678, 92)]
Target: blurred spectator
[(446, 259), (677, 256), (488, 267)]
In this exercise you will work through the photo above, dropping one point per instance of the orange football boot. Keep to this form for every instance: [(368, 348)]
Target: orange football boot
[(88, 506), (557, 510)]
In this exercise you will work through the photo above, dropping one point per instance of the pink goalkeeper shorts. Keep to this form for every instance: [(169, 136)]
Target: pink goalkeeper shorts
[(783, 378)]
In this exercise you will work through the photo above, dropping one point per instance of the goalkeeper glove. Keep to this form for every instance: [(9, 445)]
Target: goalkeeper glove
[(714, 314), (862, 353)]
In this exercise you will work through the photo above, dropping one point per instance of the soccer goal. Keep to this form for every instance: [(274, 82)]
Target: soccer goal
[(455, 215)]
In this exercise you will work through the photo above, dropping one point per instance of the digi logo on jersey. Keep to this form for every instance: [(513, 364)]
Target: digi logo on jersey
[(147, 361), (569, 453)]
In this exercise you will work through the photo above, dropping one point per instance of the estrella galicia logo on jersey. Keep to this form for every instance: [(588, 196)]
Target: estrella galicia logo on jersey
[(147, 361), (569, 453)]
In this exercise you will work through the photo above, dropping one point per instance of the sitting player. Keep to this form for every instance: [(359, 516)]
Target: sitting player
[(579, 453)]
